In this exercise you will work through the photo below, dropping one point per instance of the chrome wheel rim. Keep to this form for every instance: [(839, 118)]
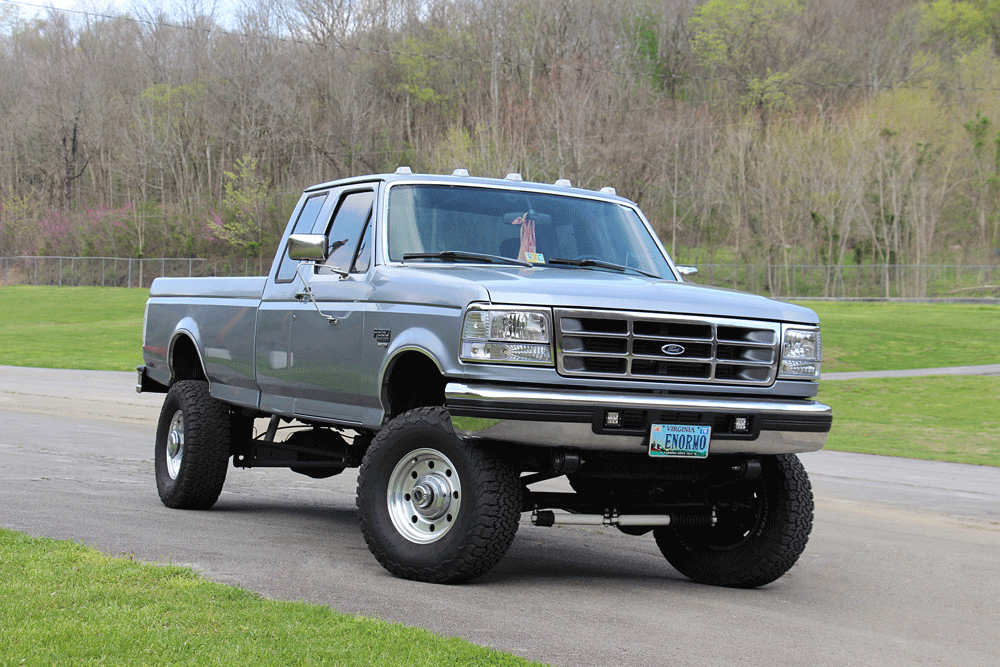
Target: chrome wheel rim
[(175, 445), (424, 496)]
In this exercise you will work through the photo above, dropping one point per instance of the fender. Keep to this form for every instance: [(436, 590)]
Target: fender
[(186, 328), (415, 340)]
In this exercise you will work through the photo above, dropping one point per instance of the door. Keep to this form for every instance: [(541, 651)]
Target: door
[(274, 317), (326, 367)]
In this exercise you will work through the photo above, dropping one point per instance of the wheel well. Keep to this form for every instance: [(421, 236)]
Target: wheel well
[(412, 380), (185, 364)]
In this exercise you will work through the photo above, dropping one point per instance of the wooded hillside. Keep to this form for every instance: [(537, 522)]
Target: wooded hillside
[(756, 131)]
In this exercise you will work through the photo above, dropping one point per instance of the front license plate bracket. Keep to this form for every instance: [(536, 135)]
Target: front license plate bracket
[(688, 441)]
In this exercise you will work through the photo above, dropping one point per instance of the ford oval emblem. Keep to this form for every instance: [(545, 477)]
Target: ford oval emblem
[(673, 349)]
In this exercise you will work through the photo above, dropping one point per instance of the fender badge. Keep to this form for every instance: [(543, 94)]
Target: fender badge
[(382, 337), (673, 349)]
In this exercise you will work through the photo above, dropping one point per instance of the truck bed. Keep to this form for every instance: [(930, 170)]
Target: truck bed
[(219, 314)]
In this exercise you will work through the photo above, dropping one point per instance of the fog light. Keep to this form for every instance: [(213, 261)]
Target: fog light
[(612, 419), (741, 424)]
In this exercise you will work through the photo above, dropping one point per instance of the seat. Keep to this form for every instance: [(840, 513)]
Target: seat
[(509, 247)]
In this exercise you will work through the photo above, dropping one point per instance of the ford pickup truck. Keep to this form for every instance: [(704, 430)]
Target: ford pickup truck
[(462, 339)]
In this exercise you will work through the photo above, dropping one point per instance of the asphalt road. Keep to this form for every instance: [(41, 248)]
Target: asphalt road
[(902, 567)]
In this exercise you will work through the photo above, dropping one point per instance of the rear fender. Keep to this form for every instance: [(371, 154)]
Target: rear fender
[(185, 354)]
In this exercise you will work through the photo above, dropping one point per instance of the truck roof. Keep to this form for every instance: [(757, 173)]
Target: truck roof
[(461, 177)]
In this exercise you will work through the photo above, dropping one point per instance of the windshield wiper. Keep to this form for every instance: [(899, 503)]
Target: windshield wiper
[(460, 255), (600, 264)]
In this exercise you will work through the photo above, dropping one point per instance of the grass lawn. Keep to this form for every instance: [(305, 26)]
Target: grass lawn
[(92, 328), (932, 417), (943, 418), (862, 336), (65, 604), (99, 328)]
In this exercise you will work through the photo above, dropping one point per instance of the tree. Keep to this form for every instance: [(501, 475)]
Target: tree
[(984, 186), (245, 200), (961, 24), (751, 43)]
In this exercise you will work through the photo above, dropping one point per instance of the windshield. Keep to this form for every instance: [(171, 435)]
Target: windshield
[(462, 223)]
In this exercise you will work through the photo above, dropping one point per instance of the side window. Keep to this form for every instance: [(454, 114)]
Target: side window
[(364, 258), (345, 233), (307, 218)]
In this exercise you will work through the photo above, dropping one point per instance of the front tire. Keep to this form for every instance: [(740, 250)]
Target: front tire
[(192, 447), (762, 528), (435, 508)]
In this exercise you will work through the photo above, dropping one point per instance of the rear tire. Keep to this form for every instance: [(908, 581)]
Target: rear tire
[(762, 528), (433, 507), (192, 447)]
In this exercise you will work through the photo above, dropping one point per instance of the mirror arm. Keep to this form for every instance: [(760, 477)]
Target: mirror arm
[(307, 292)]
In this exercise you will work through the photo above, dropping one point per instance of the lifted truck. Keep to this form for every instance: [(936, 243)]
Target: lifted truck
[(461, 339)]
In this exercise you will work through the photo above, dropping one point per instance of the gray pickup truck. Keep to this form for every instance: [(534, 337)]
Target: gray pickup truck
[(462, 339)]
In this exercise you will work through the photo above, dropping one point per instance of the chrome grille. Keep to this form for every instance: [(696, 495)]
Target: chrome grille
[(643, 346)]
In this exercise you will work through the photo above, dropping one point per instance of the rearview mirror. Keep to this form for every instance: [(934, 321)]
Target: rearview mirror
[(307, 247), (542, 218)]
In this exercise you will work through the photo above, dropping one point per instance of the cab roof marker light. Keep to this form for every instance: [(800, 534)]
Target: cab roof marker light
[(404, 170), (464, 173), (514, 176), (563, 183), (608, 191)]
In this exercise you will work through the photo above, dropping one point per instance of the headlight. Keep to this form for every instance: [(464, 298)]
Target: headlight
[(507, 336), (801, 354)]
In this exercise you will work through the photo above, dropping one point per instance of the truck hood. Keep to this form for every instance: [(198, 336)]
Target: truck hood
[(600, 289)]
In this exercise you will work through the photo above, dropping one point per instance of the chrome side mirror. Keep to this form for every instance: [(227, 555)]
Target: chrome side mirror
[(307, 247), (686, 271)]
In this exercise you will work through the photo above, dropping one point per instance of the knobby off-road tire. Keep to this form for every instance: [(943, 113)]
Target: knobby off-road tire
[(433, 507), (192, 446), (763, 526)]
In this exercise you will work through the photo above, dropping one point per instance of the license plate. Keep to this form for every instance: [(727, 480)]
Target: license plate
[(679, 440)]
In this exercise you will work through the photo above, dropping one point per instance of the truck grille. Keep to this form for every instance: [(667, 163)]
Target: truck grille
[(644, 346)]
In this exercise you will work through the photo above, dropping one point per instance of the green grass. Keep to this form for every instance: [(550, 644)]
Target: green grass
[(62, 603), (100, 329), (894, 336), (91, 328), (65, 604), (943, 418)]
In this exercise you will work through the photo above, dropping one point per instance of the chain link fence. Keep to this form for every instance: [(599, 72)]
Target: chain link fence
[(792, 281), (118, 271), (872, 281)]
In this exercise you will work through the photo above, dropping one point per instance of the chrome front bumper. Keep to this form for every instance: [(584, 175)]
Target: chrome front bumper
[(576, 419)]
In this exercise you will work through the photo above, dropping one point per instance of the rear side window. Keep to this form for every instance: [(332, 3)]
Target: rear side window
[(307, 219)]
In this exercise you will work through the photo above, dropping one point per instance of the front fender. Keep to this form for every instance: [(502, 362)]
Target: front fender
[(417, 339)]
